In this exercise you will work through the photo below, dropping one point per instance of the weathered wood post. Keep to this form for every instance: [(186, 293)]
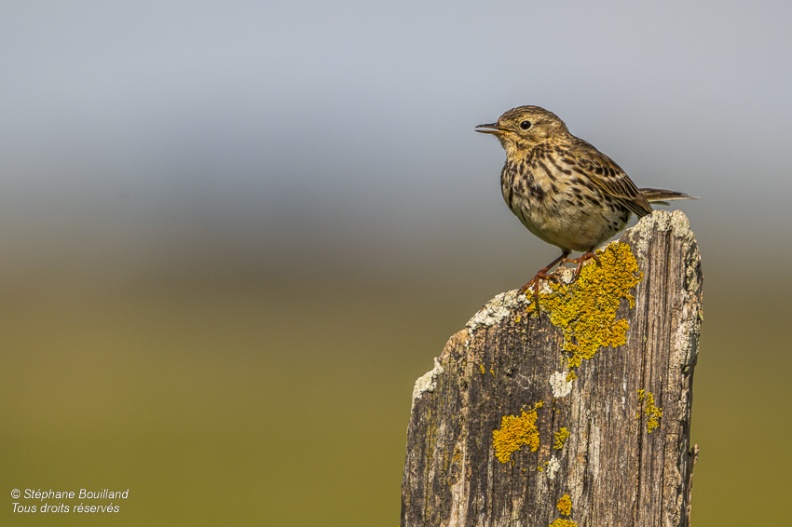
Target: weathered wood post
[(578, 416)]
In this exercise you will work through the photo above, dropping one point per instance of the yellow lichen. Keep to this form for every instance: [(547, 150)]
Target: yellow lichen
[(482, 369), (585, 310), (560, 438), (653, 413), (563, 523), (515, 432), (564, 505)]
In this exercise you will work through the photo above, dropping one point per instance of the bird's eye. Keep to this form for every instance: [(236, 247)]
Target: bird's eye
[(525, 125)]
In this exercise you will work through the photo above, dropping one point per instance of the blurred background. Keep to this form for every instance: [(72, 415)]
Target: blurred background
[(233, 234)]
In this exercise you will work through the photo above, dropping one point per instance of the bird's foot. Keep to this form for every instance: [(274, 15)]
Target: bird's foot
[(588, 255), (533, 283), (542, 275)]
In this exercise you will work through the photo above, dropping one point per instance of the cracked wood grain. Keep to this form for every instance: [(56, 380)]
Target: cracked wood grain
[(616, 469)]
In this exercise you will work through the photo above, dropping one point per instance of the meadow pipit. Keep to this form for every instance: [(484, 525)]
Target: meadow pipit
[(563, 189)]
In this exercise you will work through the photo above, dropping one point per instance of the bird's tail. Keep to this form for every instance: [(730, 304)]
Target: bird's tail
[(663, 196)]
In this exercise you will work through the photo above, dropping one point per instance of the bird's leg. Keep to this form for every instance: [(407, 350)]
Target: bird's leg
[(588, 255), (542, 275)]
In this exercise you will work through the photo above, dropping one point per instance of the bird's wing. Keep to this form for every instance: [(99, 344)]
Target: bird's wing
[(610, 178)]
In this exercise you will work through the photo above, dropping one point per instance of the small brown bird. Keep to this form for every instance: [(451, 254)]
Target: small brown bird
[(562, 188)]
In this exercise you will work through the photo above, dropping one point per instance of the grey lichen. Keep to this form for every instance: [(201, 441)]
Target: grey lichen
[(427, 381), (677, 224), (553, 466), (495, 310), (663, 221), (560, 385)]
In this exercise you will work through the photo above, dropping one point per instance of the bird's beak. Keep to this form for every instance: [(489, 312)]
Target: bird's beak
[(493, 128)]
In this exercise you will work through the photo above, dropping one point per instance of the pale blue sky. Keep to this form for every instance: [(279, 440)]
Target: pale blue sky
[(347, 127)]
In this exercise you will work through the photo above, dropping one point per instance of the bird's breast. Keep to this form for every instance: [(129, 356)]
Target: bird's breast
[(557, 206)]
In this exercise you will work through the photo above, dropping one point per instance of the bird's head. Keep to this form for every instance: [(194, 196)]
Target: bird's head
[(523, 128)]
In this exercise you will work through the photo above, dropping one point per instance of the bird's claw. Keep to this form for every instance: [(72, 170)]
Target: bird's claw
[(578, 262), (542, 274), (533, 283)]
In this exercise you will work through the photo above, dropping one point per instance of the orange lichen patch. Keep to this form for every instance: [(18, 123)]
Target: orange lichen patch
[(585, 310), (515, 432), (560, 438), (564, 505), (653, 413), (563, 523)]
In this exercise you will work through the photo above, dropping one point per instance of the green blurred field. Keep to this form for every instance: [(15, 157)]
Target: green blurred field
[(223, 401)]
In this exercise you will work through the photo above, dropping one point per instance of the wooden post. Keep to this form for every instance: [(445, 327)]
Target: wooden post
[(577, 415)]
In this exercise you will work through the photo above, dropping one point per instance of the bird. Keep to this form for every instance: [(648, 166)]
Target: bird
[(564, 190)]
